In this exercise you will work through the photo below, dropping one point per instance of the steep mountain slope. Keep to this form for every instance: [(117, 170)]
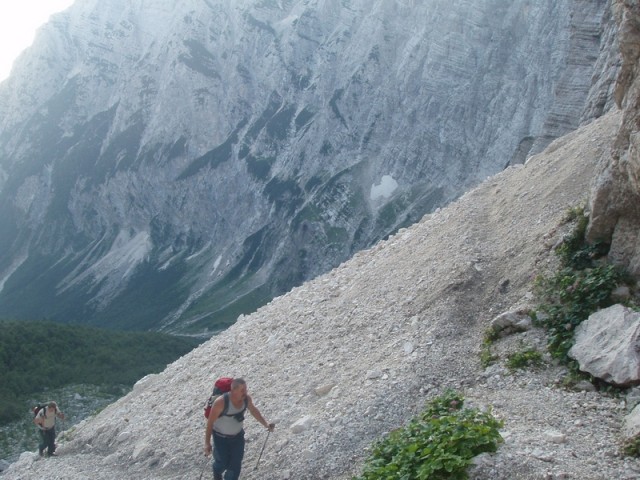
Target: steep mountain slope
[(170, 165), (358, 350)]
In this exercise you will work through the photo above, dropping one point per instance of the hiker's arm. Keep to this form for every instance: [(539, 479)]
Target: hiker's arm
[(38, 421), (60, 415), (216, 410), (258, 416)]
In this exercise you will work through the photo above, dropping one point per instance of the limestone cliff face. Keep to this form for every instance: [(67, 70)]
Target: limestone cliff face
[(615, 203), (173, 164)]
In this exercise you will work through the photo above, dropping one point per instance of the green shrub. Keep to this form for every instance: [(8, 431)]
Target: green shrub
[(438, 444), (631, 447), (487, 357), (581, 286), (529, 357), (569, 297)]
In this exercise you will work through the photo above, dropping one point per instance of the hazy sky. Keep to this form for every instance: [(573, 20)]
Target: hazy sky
[(19, 20)]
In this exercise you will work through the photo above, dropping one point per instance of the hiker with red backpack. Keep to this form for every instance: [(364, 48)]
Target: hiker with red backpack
[(224, 423), (45, 419)]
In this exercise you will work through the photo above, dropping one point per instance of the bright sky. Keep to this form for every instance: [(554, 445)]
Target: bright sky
[(19, 20)]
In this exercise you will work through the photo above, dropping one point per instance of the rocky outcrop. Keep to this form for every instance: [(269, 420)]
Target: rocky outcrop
[(607, 346), (615, 202)]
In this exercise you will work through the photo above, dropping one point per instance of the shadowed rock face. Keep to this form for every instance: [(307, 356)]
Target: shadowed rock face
[(615, 204), (173, 167)]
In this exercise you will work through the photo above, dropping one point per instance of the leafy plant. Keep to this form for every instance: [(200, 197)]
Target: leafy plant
[(580, 287), (529, 357), (570, 297), (575, 252), (438, 444), (631, 447), (487, 357)]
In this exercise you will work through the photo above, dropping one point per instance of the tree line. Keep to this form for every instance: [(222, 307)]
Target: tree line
[(39, 355)]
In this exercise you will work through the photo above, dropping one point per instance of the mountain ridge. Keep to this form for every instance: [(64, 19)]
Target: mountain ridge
[(235, 154)]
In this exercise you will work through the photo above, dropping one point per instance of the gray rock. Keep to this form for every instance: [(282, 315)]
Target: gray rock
[(374, 374), (631, 425), (553, 436), (324, 389), (633, 398), (584, 386), (621, 294), (511, 321), (408, 348), (615, 195), (607, 345), (302, 424), (542, 455)]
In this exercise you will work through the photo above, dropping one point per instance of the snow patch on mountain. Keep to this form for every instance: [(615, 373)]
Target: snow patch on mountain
[(385, 189)]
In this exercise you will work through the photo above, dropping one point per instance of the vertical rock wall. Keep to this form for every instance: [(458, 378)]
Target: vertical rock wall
[(615, 200)]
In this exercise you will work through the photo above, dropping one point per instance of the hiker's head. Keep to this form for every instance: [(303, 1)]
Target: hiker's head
[(239, 388), (52, 406)]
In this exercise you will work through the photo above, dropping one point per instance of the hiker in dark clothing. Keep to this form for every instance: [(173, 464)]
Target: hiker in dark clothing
[(45, 419), (225, 423)]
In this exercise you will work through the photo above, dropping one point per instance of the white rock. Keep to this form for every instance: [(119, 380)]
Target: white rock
[(142, 450), (511, 320), (324, 389), (374, 374), (302, 424), (542, 455), (554, 436), (607, 345)]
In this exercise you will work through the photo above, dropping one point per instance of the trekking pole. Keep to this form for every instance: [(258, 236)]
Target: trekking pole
[(206, 462), (263, 445)]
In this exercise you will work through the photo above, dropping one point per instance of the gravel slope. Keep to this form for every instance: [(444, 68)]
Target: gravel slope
[(357, 352)]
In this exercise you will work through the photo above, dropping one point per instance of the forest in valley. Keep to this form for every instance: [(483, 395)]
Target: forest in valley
[(39, 356)]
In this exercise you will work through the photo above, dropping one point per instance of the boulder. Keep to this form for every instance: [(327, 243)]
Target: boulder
[(510, 322), (631, 425), (607, 343)]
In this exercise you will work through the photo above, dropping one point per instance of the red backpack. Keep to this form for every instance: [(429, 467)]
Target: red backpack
[(221, 386)]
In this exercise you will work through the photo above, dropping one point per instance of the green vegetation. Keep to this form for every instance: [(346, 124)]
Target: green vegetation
[(38, 356), (575, 252), (77, 401), (631, 447), (529, 357), (582, 285), (437, 445), (570, 297), (487, 357)]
